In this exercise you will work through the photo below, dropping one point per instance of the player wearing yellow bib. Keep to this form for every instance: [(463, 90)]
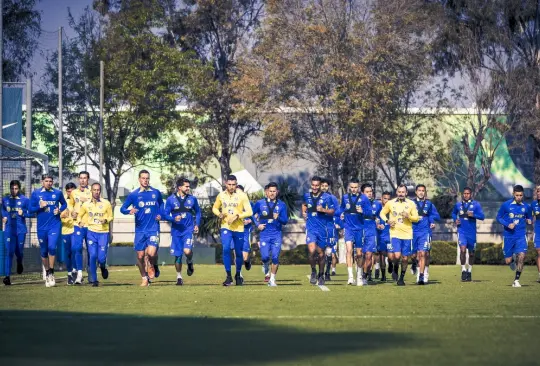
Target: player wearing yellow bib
[(400, 213), (79, 196), (68, 227), (232, 207), (98, 214)]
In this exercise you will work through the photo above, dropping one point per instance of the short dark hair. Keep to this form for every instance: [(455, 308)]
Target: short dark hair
[(46, 175), (386, 193), (518, 188), (266, 187), (96, 184), (241, 187), (327, 181), (181, 181), (403, 186), (70, 185), (272, 185), (467, 189), (15, 183), (354, 180), (84, 172), (420, 186), (316, 178), (232, 177), (364, 186), (144, 171)]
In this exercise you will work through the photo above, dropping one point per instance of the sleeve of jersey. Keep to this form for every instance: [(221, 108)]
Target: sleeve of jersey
[(455, 212), (167, 210), (246, 205), (383, 215), (217, 206), (125, 206), (4, 212), (109, 216), (413, 216), (256, 214), (500, 216), (479, 213), (528, 212), (34, 203), (434, 215), (283, 217), (82, 213), (197, 209)]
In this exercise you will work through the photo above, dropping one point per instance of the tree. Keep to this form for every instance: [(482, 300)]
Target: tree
[(22, 28), (140, 100)]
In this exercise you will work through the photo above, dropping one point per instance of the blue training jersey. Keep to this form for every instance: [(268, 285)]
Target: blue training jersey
[(512, 212), (317, 221), (384, 233), (428, 215), (263, 213), (535, 206), (371, 219), (16, 224), (467, 224), (353, 220), (149, 204), (187, 208), (46, 218)]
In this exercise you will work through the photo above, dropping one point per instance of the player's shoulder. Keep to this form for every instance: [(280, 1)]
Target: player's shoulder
[(105, 201)]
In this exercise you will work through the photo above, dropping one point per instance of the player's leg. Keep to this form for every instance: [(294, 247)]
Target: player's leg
[(53, 240), (93, 248), (471, 247), (427, 258), (275, 248), (359, 245), (462, 242), (370, 244), (349, 239), (44, 254), (328, 254), (177, 252), (226, 241), (238, 240), (421, 254), (246, 250), (334, 259), (19, 252), (382, 260), (322, 251), (151, 254), (103, 248), (140, 244), (520, 251), (406, 251), (537, 247), (77, 251), (265, 249), (377, 261), (10, 242), (422, 250), (187, 241), (395, 246), (313, 256), (68, 255)]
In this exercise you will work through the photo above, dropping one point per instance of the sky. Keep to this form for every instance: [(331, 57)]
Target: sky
[(54, 14)]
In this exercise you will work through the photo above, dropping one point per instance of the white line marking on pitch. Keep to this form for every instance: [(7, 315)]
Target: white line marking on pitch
[(323, 288)]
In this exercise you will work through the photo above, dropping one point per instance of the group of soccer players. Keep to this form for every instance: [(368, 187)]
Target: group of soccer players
[(391, 230)]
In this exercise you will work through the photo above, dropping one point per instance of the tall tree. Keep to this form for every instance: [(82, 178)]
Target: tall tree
[(22, 28)]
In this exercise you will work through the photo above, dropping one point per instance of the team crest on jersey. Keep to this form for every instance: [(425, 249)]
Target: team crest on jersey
[(8, 239), (176, 207), (394, 213), (309, 205), (461, 212), (18, 203), (265, 213), (90, 214), (263, 243), (523, 209), (90, 242), (172, 251), (406, 207), (511, 215), (141, 204), (41, 240), (100, 207), (147, 210), (348, 206), (153, 196), (8, 209), (53, 196), (77, 199), (78, 233), (374, 206), (537, 212)]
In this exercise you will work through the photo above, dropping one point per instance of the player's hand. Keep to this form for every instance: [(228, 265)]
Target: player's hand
[(380, 227), (529, 222), (247, 221), (320, 209), (359, 209), (20, 211), (73, 214), (4, 220), (342, 216), (178, 218), (158, 217), (432, 226), (56, 211), (276, 215), (304, 215), (232, 218), (392, 223), (261, 227), (512, 226), (42, 204), (458, 222), (196, 229), (133, 211), (102, 222), (470, 213), (64, 214), (221, 216)]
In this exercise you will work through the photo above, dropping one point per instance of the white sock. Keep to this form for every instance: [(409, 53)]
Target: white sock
[(144, 277), (178, 274), (272, 277), (333, 269), (377, 266), (426, 270), (349, 270), (79, 271), (470, 268), (463, 268)]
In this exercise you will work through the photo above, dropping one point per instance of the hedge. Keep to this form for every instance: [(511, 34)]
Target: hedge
[(442, 252)]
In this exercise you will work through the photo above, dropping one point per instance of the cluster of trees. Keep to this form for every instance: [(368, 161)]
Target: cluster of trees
[(359, 88)]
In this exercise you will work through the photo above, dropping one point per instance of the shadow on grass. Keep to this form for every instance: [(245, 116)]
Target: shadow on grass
[(81, 338)]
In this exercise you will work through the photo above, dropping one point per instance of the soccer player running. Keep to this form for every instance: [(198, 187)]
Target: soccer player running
[(370, 209), (270, 215), (332, 231), (248, 227), (401, 213), (232, 206), (98, 213), (351, 214), (47, 202), (422, 231), (317, 209), (464, 215), (183, 212), (146, 204), (14, 211), (79, 196), (383, 238), (514, 215), (536, 213), (68, 228)]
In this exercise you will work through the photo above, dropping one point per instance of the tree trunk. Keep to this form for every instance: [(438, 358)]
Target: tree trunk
[(225, 164)]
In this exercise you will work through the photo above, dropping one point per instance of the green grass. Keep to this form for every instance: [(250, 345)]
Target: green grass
[(447, 322)]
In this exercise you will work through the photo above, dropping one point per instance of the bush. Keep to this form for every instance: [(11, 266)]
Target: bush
[(122, 244), (443, 252)]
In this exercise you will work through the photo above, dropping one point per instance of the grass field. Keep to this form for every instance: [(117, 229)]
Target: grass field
[(445, 323)]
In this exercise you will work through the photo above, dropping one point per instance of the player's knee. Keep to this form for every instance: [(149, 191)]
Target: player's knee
[(265, 258), (178, 259), (275, 260)]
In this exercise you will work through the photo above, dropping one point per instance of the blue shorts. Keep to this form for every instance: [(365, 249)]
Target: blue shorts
[(317, 237), (514, 245), (468, 241), (48, 241), (271, 246), (537, 240), (403, 246), (382, 243), (331, 234), (247, 241), (370, 244), (232, 240), (421, 242), (144, 239), (180, 242), (356, 237)]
